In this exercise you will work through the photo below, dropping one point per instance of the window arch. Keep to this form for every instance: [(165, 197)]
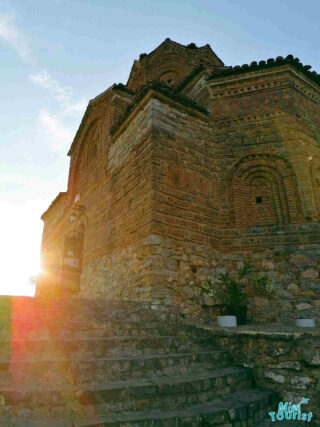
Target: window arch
[(92, 151), (79, 158), (169, 77), (262, 191)]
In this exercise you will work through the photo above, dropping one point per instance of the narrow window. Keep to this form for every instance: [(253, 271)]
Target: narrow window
[(259, 199)]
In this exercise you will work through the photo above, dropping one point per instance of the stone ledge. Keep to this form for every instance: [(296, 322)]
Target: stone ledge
[(282, 333)]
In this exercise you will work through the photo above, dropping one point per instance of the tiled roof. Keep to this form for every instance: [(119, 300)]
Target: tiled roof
[(270, 63)]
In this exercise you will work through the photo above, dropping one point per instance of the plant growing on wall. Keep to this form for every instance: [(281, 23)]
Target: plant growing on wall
[(232, 290)]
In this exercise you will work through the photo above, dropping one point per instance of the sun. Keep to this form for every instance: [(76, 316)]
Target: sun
[(20, 240), (18, 279)]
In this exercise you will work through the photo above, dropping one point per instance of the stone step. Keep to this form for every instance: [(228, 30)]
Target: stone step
[(32, 421), (77, 309), (116, 315), (42, 349), (73, 362), (117, 367), (134, 395), (245, 408), (90, 329)]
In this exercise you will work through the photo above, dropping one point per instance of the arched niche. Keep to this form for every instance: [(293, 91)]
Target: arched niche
[(169, 77), (263, 191), (89, 146), (91, 143)]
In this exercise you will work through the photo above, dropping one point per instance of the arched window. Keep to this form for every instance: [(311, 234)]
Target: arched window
[(169, 77), (263, 192)]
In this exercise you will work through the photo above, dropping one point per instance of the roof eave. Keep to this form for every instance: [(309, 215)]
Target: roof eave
[(53, 204), (151, 93)]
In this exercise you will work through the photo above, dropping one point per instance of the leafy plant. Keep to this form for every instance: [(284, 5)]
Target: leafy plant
[(206, 287), (232, 290)]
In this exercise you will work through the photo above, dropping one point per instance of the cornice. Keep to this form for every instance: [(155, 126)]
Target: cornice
[(156, 90), (269, 64), (230, 121), (104, 96), (284, 76), (54, 203)]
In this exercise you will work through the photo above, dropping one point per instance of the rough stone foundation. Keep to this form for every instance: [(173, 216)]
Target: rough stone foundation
[(284, 360), (165, 271)]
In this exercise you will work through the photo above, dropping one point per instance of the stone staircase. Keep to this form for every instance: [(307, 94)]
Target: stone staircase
[(92, 363)]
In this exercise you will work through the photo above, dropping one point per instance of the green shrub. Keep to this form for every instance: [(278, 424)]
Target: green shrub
[(232, 290)]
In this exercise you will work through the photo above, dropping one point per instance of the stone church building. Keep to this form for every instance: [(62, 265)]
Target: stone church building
[(185, 171)]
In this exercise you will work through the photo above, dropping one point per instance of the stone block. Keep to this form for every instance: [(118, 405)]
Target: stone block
[(301, 383), (301, 260), (311, 356), (153, 239), (278, 378), (267, 265), (261, 302), (309, 274), (170, 264), (188, 292), (209, 301), (220, 270), (293, 287), (303, 306), (287, 364)]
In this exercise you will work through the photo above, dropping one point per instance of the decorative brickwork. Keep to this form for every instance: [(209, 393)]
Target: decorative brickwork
[(263, 192)]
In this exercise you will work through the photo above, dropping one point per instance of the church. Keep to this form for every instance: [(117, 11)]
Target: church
[(190, 167)]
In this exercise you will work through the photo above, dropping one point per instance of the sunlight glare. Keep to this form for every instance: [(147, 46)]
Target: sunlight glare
[(20, 234)]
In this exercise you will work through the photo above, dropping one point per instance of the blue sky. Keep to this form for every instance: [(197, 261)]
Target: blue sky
[(56, 55)]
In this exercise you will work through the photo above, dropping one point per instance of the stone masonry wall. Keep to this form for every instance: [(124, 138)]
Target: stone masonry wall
[(286, 361), (167, 271), (124, 274), (178, 268)]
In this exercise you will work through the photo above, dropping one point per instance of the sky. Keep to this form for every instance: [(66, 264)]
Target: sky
[(56, 55)]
